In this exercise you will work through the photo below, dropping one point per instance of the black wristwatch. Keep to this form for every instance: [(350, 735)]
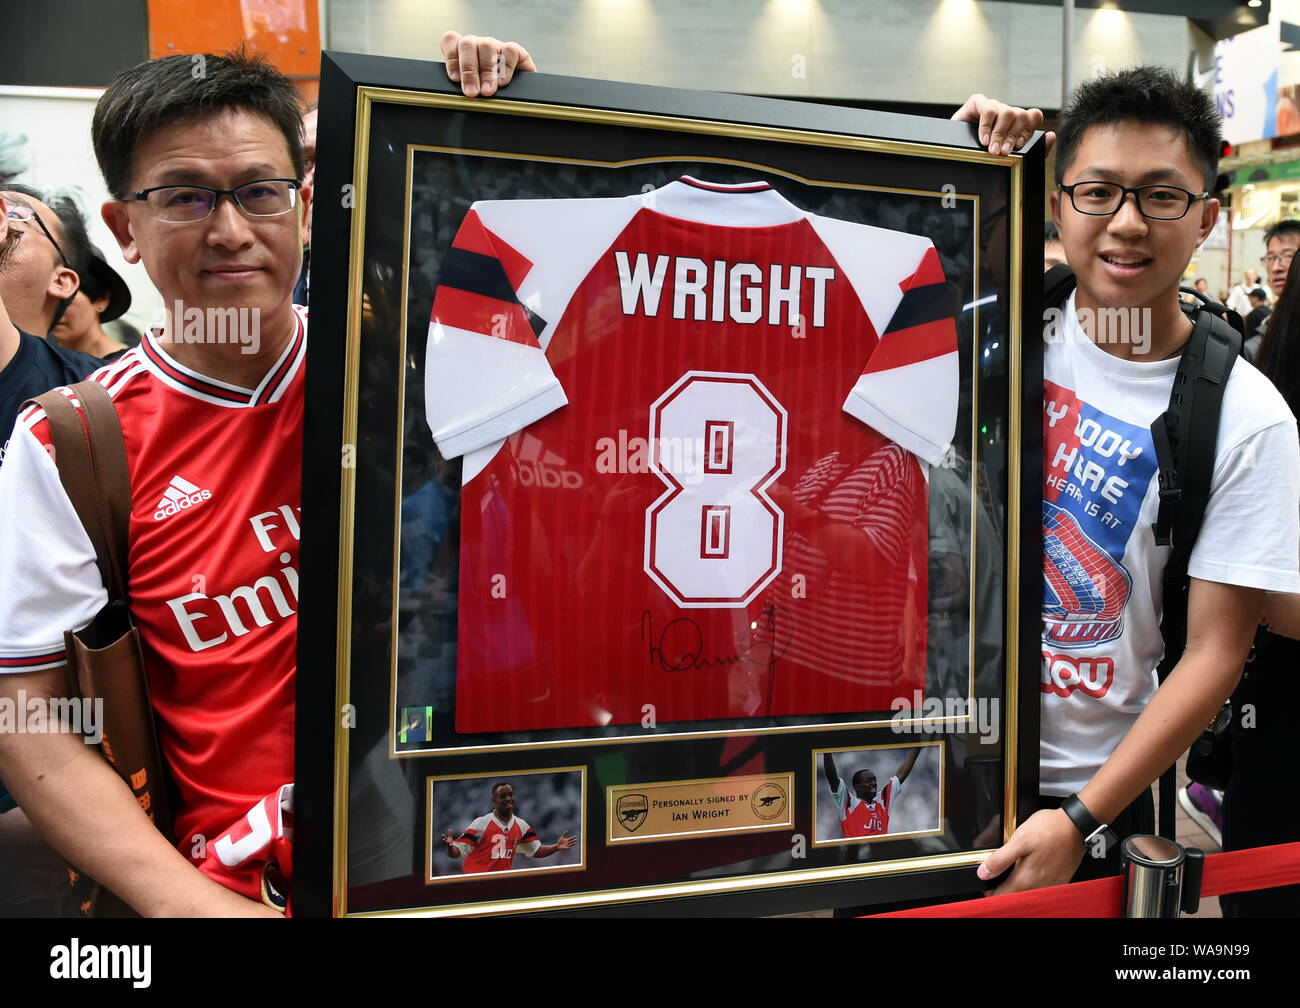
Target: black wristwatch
[(1087, 824)]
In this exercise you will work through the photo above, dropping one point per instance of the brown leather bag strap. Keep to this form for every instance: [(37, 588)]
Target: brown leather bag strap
[(91, 459), (113, 482)]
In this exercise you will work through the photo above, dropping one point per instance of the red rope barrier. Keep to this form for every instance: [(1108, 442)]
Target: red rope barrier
[(1235, 871)]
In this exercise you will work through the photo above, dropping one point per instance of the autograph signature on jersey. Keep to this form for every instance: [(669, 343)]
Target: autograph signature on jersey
[(680, 646)]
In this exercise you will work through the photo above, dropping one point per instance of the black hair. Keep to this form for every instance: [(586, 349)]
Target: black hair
[(160, 92), (1147, 94), (1050, 234), (859, 773), (498, 786), (63, 212), (1284, 227), (1279, 351), (76, 243)]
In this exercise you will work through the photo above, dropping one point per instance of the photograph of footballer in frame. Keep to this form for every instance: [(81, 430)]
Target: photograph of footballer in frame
[(476, 829), (878, 792)]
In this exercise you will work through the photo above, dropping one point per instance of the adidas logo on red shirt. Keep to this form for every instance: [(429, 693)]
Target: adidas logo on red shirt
[(181, 494)]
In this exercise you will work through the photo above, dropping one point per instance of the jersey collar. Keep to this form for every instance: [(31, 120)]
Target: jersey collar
[(748, 204), (190, 382)]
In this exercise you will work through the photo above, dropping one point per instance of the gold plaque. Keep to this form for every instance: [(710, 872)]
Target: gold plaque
[(673, 809)]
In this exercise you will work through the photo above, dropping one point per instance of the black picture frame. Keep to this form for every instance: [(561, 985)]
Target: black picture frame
[(388, 128)]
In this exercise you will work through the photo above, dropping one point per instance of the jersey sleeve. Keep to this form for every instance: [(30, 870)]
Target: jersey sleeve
[(841, 799), (47, 563), (471, 837), (529, 842), (908, 388), (891, 792), (486, 374)]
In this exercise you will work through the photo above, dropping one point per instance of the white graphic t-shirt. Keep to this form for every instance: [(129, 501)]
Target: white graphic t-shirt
[(1102, 569)]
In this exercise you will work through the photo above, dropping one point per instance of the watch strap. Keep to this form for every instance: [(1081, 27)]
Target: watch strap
[(1085, 822)]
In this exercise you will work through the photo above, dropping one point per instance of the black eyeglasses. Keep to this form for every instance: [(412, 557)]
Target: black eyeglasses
[(25, 214), (188, 203), (1158, 202)]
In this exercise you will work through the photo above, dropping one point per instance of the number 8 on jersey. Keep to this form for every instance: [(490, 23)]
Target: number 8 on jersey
[(713, 540)]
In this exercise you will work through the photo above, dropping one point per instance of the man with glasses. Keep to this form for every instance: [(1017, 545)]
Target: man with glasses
[(204, 175), (41, 277), (1137, 156), (1280, 244)]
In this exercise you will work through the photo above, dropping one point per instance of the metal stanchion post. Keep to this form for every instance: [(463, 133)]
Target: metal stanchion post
[(1161, 877)]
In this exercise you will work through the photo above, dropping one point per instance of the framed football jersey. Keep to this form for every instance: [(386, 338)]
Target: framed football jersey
[(668, 463)]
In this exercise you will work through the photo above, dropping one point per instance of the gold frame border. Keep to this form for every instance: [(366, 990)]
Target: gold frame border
[(703, 887), (366, 97), (1015, 378)]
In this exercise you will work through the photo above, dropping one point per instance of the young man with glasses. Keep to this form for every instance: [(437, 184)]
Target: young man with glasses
[(1137, 156)]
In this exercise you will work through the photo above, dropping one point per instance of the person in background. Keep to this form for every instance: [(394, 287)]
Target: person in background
[(35, 282), (102, 297), (1280, 244), (302, 289), (1256, 320), (1202, 287), (1239, 296)]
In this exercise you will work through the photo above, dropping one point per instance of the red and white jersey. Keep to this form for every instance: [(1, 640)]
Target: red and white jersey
[(488, 844), (710, 501), (215, 476), (863, 819)]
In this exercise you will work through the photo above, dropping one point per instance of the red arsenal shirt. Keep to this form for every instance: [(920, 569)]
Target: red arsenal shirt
[(489, 845), (709, 501), (864, 819), (216, 484)]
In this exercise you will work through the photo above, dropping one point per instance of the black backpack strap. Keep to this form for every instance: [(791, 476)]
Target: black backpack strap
[(1058, 283), (1186, 439), (1186, 435), (1202, 302)]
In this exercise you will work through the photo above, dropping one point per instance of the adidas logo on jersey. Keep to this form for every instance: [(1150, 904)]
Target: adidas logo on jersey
[(540, 467), (181, 494)]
